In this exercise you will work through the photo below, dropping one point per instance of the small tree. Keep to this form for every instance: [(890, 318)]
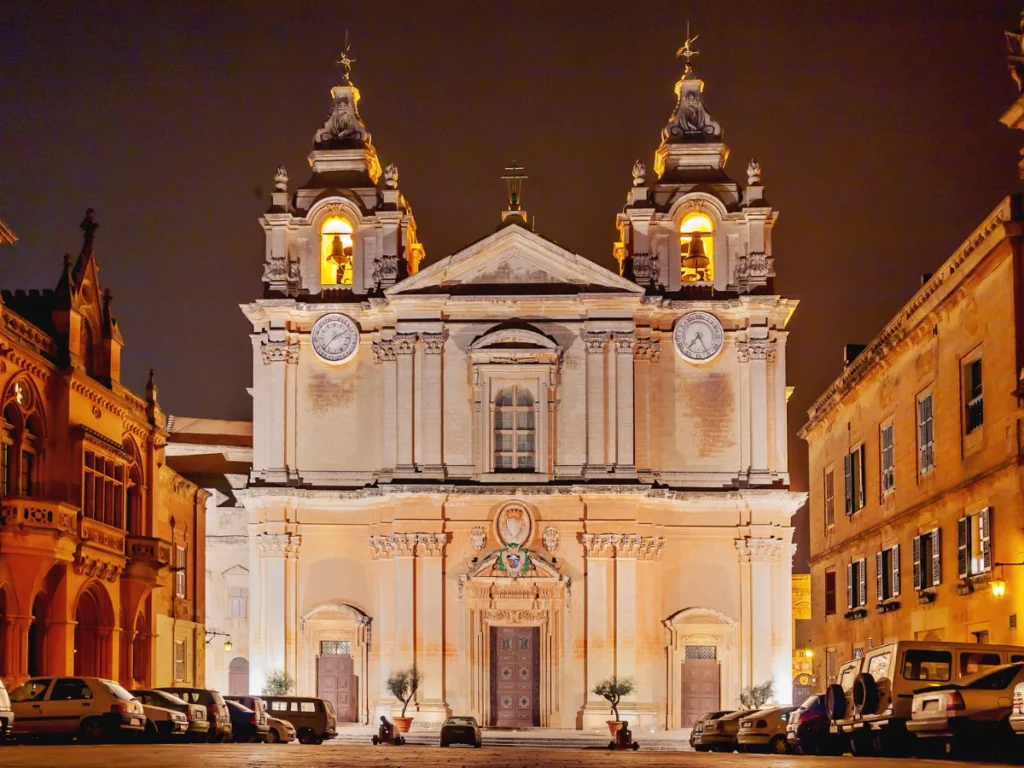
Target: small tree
[(756, 696), (613, 689), (403, 686), (278, 683)]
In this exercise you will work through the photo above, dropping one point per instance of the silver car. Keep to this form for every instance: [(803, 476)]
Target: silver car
[(968, 718), (765, 731)]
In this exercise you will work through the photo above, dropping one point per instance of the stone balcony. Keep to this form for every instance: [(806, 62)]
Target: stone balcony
[(149, 551), (101, 550), (39, 526)]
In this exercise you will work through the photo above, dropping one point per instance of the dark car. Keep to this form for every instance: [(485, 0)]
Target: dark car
[(698, 729), (461, 730), (808, 729), (255, 703), (198, 724), (216, 710), (245, 724)]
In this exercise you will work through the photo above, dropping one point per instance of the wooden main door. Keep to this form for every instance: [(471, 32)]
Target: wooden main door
[(336, 681), (515, 677), (701, 689)]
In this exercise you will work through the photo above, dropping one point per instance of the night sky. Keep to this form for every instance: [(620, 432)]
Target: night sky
[(875, 123)]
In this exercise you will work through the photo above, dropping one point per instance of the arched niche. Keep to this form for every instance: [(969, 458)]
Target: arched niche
[(700, 628), (335, 622)]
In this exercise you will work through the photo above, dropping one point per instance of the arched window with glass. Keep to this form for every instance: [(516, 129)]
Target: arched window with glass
[(697, 249), (21, 441), (515, 430), (337, 245)]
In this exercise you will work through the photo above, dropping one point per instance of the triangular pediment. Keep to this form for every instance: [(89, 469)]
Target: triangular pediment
[(514, 261)]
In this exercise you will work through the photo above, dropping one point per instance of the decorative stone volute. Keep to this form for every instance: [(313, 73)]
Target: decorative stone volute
[(391, 176), (639, 174)]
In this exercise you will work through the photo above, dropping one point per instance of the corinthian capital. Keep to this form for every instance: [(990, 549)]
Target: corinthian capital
[(279, 352), (383, 351), (595, 342), (624, 342), (647, 349), (404, 343), (431, 544), (755, 349), (433, 343)]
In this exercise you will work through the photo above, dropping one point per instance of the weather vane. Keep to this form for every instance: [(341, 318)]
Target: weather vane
[(686, 51), (346, 61), (515, 184)]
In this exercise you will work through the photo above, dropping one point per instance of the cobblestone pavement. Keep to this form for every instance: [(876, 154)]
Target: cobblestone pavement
[(409, 756)]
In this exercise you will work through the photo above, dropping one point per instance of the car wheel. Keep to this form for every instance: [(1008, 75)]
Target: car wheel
[(91, 731), (306, 736), (778, 745), (444, 744), (477, 745), (275, 737)]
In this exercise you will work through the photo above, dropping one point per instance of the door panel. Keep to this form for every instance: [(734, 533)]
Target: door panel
[(337, 682), (515, 677), (701, 689)]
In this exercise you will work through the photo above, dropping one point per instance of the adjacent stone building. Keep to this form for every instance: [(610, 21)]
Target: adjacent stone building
[(101, 544), (513, 469), (915, 461)]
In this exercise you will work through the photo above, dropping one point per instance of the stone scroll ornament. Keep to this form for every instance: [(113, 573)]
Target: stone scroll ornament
[(514, 560)]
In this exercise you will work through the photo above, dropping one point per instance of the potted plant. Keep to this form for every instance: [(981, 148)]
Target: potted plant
[(613, 689), (278, 683), (403, 686), (756, 696)]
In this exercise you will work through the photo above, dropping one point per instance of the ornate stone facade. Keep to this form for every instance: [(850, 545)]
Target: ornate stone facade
[(494, 457)]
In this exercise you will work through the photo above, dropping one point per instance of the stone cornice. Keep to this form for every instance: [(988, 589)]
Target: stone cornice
[(908, 317)]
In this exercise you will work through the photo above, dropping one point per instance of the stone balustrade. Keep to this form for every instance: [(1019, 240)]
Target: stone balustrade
[(148, 550), (101, 536), (38, 513)]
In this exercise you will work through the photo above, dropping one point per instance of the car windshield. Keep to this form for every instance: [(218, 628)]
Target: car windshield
[(116, 690), (236, 705), (30, 690), (993, 679), (460, 721), (170, 698)]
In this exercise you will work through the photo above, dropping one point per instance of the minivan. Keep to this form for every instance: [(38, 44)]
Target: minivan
[(314, 719), (871, 701)]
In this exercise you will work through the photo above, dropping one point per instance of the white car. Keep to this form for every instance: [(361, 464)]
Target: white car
[(281, 731), (163, 724), (765, 731), (970, 717), (90, 708)]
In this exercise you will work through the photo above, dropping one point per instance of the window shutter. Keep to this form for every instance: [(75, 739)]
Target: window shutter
[(862, 477), (936, 557), (896, 571), (963, 535), (918, 575), (849, 587), (879, 581), (985, 528), (863, 593), (848, 485)]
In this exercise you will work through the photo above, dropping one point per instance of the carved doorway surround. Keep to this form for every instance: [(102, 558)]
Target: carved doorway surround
[(700, 628), (537, 599), (335, 624)]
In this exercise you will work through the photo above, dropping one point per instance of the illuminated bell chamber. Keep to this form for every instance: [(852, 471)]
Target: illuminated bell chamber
[(340, 255), (696, 259)]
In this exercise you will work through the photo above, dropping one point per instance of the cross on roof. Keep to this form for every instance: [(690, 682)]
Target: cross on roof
[(515, 184), (686, 51), (345, 61)]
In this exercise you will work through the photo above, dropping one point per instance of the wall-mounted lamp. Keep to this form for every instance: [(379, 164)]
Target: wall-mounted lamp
[(210, 634)]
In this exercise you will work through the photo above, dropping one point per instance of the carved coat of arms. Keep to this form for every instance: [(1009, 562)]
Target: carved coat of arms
[(514, 560)]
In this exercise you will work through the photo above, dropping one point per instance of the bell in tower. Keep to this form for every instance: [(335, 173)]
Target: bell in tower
[(695, 258), (341, 256)]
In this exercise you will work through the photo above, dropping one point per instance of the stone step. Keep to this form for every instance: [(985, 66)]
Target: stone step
[(532, 742)]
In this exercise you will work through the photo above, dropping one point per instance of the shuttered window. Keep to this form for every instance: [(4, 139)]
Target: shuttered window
[(857, 584), (830, 593), (974, 409), (927, 560), (974, 544), (887, 573), (853, 467), (925, 435), (888, 460), (830, 499)]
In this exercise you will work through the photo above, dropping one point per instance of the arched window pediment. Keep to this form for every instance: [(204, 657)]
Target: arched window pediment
[(514, 338)]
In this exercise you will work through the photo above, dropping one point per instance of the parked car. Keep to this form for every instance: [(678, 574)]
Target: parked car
[(246, 725), (216, 710), (765, 731), (163, 724), (871, 703), (969, 717), (314, 719), (255, 703), (698, 729), (89, 708), (807, 730), (461, 730), (281, 731), (719, 735), (198, 725), (6, 715)]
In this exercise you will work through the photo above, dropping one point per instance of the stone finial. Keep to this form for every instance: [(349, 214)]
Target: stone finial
[(753, 172), (89, 227), (639, 172), (151, 387), (391, 176), (1015, 60), (281, 179)]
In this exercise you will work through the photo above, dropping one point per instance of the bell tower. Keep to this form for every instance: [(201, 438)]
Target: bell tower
[(693, 231), (348, 232)]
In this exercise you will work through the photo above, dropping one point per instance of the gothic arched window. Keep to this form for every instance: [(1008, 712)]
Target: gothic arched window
[(515, 430), (20, 441), (336, 247), (697, 249)]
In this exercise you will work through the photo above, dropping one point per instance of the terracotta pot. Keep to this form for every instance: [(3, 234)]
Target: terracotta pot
[(403, 724), (614, 726)]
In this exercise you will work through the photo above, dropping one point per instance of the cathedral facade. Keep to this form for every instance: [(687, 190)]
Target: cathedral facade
[(514, 470)]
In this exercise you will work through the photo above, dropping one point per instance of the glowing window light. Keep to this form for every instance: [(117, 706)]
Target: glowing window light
[(697, 247), (336, 245)]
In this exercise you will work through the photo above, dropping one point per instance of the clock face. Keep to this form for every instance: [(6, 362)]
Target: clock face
[(335, 338), (699, 336)]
